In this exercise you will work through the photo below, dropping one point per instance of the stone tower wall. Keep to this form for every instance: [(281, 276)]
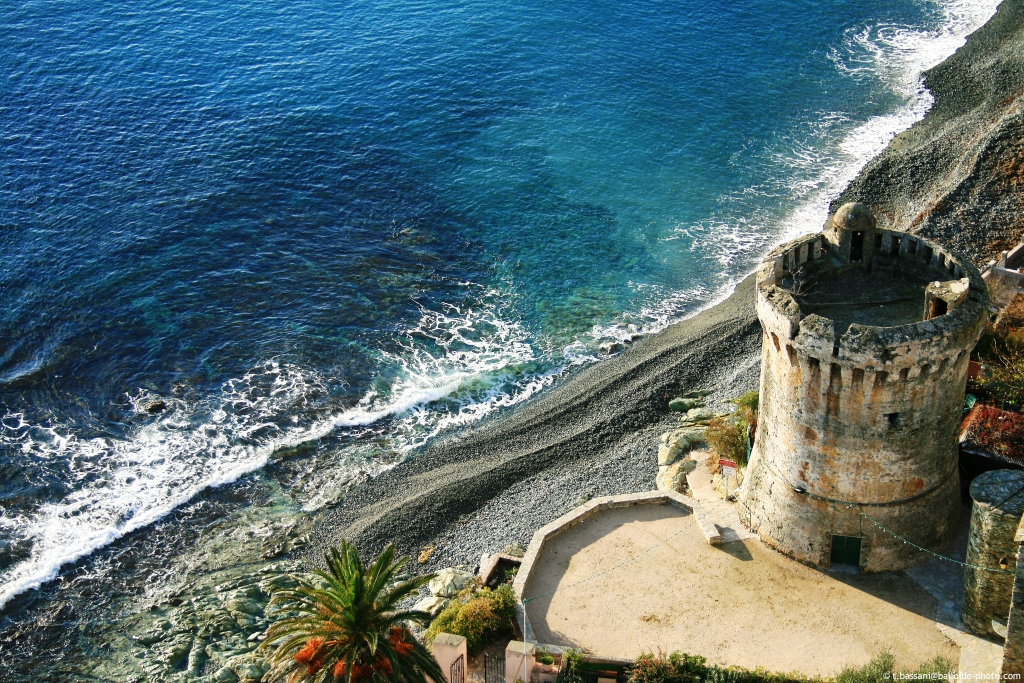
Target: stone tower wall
[(998, 505), (869, 417)]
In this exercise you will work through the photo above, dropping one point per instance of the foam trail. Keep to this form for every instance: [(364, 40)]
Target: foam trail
[(124, 485), (453, 367), (822, 164), (898, 56)]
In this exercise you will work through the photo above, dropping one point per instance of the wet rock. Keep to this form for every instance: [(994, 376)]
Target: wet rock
[(608, 348), (225, 675), (449, 582), (155, 406)]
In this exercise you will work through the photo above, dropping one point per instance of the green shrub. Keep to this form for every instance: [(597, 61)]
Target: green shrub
[(881, 668), (682, 668), (481, 616), (727, 438), (571, 659), (748, 402), (877, 670)]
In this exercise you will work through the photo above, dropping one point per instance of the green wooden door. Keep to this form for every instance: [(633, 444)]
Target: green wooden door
[(846, 550)]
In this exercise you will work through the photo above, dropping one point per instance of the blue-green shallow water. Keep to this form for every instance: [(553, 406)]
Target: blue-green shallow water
[(346, 227)]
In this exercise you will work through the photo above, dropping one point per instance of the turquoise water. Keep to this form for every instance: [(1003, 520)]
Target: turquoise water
[(321, 233)]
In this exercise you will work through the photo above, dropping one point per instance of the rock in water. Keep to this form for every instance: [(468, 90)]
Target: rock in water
[(448, 582), (156, 406)]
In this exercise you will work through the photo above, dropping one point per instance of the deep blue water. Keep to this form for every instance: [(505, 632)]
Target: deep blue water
[(358, 224)]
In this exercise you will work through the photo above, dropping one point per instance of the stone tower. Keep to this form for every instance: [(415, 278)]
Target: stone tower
[(867, 336)]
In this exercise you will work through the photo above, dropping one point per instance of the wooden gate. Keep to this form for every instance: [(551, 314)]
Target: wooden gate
[(457, 674), (494, 669)]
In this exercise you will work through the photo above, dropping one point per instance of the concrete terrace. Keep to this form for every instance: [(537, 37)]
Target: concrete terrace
[(737, 603)]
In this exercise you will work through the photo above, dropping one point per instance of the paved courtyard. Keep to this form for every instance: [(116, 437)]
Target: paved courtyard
[(737, 604)]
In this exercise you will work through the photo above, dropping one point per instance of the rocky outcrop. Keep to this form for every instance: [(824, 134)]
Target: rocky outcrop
[(448, 582)]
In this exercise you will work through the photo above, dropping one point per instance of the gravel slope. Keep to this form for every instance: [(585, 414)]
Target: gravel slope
[(957, 176), (595, 434)]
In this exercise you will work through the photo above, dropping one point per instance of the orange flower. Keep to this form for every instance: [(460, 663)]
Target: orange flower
[(339, 669), (383, 665), (403, 648), (308, 651), (361, 671)]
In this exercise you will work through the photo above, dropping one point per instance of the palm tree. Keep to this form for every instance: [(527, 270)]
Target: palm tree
[(346, 626)]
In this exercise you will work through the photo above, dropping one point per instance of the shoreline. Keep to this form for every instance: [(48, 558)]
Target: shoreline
[(493, 484), (596, 434)]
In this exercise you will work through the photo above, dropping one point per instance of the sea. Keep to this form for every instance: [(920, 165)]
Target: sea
[(268, 249)]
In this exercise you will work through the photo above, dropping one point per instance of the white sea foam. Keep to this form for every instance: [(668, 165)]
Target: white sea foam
[(817, 163), (451, 368), (898, 56)]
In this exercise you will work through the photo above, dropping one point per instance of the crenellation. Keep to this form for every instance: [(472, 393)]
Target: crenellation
[(879, 428)]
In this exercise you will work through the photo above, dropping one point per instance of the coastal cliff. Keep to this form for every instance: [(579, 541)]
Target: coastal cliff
[(957, 176)]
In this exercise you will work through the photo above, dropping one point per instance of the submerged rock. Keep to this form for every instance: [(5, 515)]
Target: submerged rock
[(154, 407)]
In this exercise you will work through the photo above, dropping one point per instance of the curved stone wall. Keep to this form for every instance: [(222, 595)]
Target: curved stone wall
[(998, 505), (863, 419)]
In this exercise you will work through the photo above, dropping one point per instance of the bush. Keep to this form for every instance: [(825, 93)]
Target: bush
[(481, 616), (727, 438), (683, 668), (881, 669), (877, 670), (1004, 376)]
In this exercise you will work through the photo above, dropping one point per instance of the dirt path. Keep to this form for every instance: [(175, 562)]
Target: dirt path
[(738, 604)]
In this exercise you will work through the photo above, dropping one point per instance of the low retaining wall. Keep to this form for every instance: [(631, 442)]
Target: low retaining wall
[(577, 515)]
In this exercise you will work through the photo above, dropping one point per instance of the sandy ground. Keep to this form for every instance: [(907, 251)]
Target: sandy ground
[(737, 604)]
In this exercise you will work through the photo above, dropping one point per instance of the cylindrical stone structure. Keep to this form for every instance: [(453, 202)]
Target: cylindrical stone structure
[(998, 506), (856, 447)]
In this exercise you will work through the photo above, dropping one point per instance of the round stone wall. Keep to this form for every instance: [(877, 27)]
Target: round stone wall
[(998, 505)]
